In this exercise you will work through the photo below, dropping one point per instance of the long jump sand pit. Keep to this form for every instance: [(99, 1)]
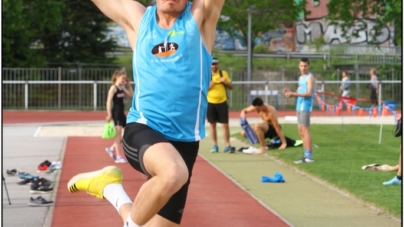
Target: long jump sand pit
[(62, 130)]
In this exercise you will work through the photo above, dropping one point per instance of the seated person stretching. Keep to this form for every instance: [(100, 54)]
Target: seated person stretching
[(269, 128)]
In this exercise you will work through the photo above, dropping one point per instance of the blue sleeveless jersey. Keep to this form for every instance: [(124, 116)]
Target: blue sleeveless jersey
[(304, 103), (171, 72)]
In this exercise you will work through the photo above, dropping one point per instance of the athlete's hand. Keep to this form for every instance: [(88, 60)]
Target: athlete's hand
[(242, 114), (286, 90), (127, 81), (287, 94), (223, 80), (108, 118)]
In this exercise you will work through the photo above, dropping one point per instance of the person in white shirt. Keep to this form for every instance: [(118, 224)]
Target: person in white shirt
[(345, 85)]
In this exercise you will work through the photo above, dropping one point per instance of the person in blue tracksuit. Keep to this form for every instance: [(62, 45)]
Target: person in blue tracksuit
[(172, 44)]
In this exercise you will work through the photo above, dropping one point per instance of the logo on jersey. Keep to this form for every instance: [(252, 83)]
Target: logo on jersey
[(165, 49)]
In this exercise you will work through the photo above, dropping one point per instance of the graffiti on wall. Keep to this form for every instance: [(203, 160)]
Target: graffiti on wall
[(280, 40), (307, 31), (314, 25)]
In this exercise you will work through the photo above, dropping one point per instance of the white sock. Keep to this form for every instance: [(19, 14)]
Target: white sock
[(130, 223), (115, 194)]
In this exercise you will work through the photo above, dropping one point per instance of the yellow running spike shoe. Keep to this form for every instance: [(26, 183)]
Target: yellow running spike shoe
[(94, 182)]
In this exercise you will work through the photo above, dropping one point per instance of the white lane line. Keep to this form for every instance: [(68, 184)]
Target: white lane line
[(37, 131)]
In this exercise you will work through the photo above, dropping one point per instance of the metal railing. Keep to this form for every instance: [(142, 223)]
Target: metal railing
[(91, 94)]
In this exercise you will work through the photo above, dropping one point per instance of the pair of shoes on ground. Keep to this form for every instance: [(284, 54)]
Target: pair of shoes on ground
[(44, 165), (25, 178), (52, 168), (110, 151), (39, 202), (228, 149), (40, 186), (394, 181), (304, 160), (11, 172)]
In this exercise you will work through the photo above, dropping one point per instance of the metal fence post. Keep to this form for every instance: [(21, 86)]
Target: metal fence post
[(26, 95), (380, 92), (231, 91), (283, 85), (95, 95), (357, 78), (80, 78), (59, 88), (338, 80)]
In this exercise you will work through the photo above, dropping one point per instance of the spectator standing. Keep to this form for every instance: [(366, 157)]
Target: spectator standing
[(119, 89), (345, 85), (304, 106), (374, 87), (218, 109)]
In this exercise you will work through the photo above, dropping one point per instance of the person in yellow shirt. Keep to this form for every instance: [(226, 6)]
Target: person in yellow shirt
[(218, 110)]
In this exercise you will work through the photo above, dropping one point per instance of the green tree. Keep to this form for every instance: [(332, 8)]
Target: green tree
[(345, 13), (81, 37), (24, 24), (266, 15)]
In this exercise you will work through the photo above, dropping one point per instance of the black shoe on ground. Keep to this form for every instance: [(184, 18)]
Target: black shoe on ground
[(240, 150), (41, 181), (39, 189), (39, 202), (11, 172)]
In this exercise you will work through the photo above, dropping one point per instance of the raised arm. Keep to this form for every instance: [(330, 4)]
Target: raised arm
[(128, 91), (207, 13), (126, 13)]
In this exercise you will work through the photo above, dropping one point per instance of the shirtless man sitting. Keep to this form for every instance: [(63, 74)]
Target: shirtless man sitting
[(269, 128)]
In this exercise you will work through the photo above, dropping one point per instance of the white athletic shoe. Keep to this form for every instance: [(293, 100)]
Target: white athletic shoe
[(250, 150)]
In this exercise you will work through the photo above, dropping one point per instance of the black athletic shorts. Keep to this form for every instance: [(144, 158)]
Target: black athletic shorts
[(118, 115), (373, 95), (218, 113), (136, 139), (271, 133)]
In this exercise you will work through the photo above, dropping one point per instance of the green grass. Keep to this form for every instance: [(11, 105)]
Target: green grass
[(341, 154)]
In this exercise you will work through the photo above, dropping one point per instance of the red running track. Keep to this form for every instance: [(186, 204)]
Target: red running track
[(213, 199)]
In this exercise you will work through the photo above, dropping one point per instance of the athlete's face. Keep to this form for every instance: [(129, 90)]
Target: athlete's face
[(304, 67), (171, 6)]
